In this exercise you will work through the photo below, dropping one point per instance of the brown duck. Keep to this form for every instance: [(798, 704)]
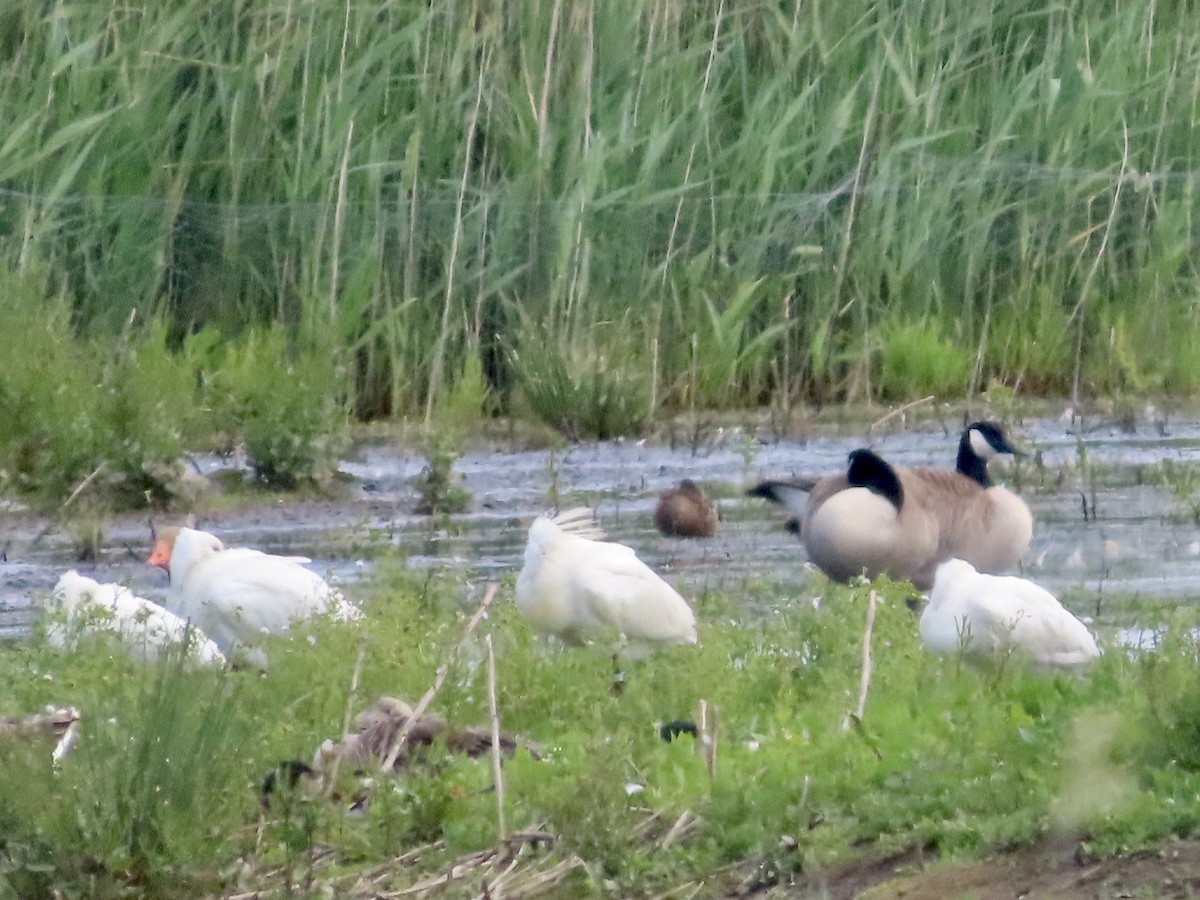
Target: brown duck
[(685, 511)]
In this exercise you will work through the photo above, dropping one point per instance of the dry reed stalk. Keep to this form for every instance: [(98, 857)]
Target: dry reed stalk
[(439, 678), (900, 411), (351, 702), (685, 824), (708, 738), (339, 216), (864, 682), (497, 767), (439, 356), (1077, 312), (82, 486)]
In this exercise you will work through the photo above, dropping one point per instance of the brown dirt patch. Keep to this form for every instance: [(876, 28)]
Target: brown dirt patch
[(1056, 870)]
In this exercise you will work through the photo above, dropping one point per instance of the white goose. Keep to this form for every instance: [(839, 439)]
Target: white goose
[(145, 629), (236, 594), (574, 585), (983, 614)]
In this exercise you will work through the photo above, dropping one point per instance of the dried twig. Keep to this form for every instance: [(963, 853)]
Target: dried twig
[(864, 683), (351, 702), (684, 824), (708, 738), (439, 678), (901, 411), (82, 486), (493, 711)]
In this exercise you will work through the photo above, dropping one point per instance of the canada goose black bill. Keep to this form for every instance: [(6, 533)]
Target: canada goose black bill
[(685, 511)]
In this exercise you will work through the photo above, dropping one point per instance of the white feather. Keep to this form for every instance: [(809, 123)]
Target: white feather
[(144, 628), (574, 587), (237, 595), (983, 614), (581, 522)]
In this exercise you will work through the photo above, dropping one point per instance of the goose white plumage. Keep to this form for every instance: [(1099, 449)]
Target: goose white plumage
[(575, 585), (144, 628), (237, 594), (980, 614)]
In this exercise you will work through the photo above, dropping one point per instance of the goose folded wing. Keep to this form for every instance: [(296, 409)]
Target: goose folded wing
[(265, 597), (622, 592)]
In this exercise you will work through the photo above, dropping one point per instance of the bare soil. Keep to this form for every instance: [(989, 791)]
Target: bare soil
[(1059, 870)]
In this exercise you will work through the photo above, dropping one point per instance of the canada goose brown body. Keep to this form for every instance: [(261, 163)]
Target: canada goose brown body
[(685, 511), (935, 515)]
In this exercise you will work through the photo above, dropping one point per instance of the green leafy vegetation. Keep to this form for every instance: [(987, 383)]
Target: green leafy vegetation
[(288, 407), (108, 423), (585, 389), (441, 491), (160, 797), (756, 204)]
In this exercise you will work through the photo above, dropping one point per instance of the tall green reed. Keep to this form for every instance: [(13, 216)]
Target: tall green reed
[(417, 184)]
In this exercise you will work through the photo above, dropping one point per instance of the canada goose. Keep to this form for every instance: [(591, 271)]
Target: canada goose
[(574, 585), (980, 614), (685, 511), (236, 595), (144, 628), (936, 514)]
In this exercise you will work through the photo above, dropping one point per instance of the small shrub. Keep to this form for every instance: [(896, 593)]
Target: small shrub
[(146, 406), (287, 407), (915, 359), (584, 391), (79, 414), (1170, 733), (441, 493)]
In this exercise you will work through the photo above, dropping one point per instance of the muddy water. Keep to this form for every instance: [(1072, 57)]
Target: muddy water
[(1141, 542)]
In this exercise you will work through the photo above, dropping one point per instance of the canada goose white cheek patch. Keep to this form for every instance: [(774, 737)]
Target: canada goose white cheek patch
[(982, 446)]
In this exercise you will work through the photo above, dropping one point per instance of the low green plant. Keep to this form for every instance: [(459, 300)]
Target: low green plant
[(725, 352), (591, 388), (86, 416), (440, 492), (161, 795), (1031, 345), (146, 411), (1148, 351), (1184, 482), (915, 359), (1170, 733), (285, 404)]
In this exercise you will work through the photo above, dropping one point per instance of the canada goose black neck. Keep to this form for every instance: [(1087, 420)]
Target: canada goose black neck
[(979, 442), (869, 470)]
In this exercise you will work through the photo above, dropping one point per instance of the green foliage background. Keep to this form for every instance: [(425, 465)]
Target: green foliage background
[(418, 184)]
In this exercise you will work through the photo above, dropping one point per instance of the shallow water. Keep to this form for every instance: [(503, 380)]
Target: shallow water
[(1142, 542)]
